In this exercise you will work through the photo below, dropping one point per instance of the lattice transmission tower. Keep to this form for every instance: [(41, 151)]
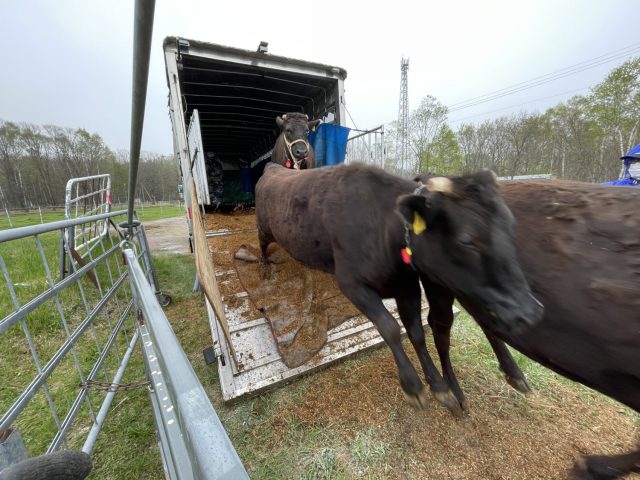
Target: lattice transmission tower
[(402, 143)]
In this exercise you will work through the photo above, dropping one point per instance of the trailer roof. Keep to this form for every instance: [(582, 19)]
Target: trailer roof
[(238, 93)]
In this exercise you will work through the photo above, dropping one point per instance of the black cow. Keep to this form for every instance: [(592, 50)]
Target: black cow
[(579, 247), (292, 149), (377, 232)]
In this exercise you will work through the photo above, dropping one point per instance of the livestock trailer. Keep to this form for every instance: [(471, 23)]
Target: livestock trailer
[(223, 103)]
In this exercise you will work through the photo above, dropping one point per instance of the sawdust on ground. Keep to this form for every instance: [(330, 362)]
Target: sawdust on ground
[(505, 435), (301, 304)]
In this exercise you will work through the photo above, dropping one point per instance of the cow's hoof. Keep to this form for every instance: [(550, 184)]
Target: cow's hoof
[(593, 468), (580, 470), (449, 400), (245, 254), (419, 401), (520, 384)]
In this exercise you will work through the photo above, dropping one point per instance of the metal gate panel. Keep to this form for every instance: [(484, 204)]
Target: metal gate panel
[(70, 340), (366, 146), (87, 196)]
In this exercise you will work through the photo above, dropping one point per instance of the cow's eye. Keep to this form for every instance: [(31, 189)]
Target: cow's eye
[(466, 241)]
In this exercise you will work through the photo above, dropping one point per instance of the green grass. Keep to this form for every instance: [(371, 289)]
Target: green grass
[(160, 211), (145, 213)]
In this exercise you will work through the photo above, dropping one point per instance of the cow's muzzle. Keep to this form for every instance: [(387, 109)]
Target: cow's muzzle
[(516, 314)]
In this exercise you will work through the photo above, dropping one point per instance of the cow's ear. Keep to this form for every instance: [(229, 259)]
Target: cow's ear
[(279, 121), (313, 124), (416, 210), (486, 177)]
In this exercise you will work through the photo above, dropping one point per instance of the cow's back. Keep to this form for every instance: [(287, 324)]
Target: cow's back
[(579, 246), (314, 214)]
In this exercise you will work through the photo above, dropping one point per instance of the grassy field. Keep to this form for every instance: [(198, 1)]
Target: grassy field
[(145, 213), (350, 421)]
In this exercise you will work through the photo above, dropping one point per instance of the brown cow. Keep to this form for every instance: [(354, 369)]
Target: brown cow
[(292, 149), (357, 222), (579, 246)]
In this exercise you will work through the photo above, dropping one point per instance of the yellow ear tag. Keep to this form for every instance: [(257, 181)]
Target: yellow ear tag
[(419, 225)]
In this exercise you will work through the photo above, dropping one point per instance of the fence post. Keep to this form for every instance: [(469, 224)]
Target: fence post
[(8, 217)]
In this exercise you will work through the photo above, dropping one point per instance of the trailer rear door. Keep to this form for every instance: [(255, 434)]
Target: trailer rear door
[(196, 158)]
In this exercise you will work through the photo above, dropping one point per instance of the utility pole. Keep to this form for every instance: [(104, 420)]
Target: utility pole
[(402, 142)]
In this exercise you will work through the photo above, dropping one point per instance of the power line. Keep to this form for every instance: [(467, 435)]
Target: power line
[(546, 78), (518, 105), (616, 52)]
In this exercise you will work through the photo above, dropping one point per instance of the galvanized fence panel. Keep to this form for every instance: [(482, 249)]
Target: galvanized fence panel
[(84, 196), (64, 322), (366, 146), (65, 342), (88, 196)]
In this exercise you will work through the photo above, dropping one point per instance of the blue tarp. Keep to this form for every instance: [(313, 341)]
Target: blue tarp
[(245, 180), (329, 142), (627, 179)]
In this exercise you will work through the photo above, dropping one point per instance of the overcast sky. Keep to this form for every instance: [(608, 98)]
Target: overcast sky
[(69, 62)]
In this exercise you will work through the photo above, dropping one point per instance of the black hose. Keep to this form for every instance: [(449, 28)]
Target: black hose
[(62, 465)]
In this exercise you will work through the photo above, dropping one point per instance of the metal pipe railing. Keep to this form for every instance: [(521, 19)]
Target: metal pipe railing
[(142, 34), (104, 409), (21, 232), (12, 413), (183, 405)]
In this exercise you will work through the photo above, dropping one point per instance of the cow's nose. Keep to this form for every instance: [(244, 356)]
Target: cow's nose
[(300, 151)]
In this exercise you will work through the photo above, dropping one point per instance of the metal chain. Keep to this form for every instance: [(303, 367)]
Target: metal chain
[(113, 387)]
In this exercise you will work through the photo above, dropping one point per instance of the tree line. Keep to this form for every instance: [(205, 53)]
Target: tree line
[(581, 139), (37, 161)]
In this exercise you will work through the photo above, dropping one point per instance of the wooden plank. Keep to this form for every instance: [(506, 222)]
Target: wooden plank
[(206, 270)]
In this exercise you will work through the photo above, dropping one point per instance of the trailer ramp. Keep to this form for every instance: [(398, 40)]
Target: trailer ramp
[(248, 359)]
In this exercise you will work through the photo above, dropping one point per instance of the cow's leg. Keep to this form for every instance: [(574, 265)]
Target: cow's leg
[(409, 308), (440, 320), (370, 304), (602, 467), (512, 372), (265, 240)]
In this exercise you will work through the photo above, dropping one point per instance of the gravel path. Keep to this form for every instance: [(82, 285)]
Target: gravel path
[(168, 235)]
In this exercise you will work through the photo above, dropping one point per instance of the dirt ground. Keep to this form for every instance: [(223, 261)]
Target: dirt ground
[(168, 235), (504, 436)]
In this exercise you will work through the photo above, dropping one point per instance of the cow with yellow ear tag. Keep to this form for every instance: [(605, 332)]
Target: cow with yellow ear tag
[(378, 233)]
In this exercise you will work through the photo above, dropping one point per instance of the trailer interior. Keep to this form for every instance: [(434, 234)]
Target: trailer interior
[(238, 94)]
